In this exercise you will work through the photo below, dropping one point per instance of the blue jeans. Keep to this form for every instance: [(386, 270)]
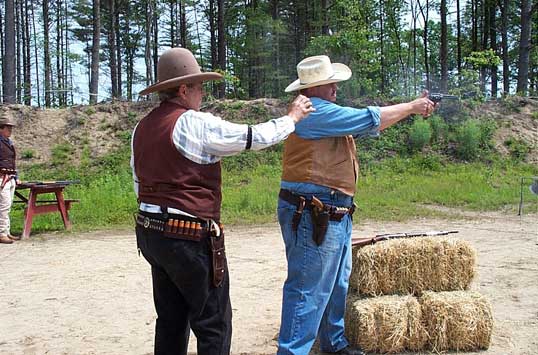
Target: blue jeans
[(315, 291)]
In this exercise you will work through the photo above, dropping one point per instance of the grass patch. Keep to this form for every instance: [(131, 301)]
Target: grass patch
[(393, 189)]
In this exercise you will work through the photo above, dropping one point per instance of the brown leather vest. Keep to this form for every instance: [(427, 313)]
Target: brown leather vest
[(168, 179), (7, 155), (328, 162)]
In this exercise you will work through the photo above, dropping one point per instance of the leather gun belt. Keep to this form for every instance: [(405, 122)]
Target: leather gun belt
[(336, 213), (178, 227)]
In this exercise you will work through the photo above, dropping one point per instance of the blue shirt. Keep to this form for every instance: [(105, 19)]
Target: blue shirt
[(332, 120)]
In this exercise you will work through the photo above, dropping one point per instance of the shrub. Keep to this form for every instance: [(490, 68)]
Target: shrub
[(61, 153), (89, 111), (467, 139), (420, 134), (439, 128), (518, 148), (28, 154), (487, 130)]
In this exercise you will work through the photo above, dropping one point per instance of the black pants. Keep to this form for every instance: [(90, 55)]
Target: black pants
[(185, 297)]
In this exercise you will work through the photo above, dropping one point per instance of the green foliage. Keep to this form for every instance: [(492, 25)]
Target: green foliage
[(124, 136), (518, 148), (483, 59), (61, 153), (511, 104), (403, 188), (28, 154), (132, 118), (89, 111), (534, 115), (420, 134), (467, 139), (487, 132), (439, 129)]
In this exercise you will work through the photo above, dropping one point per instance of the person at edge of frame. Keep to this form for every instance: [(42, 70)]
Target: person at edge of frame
[(176, 153), (8, 177), (319, 162)]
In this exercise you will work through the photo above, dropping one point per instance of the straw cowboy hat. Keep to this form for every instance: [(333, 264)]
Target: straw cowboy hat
[(178, 66), (7, 120), (318, 70)]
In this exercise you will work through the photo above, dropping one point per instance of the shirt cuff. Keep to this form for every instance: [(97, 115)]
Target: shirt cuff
[(289, 123), (375, 112)]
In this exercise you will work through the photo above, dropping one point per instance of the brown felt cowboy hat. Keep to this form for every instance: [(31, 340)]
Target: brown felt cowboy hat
[(178, 66), (318, 70), (7, 120)]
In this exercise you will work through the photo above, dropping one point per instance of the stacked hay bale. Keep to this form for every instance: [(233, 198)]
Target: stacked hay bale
[(409, 294)]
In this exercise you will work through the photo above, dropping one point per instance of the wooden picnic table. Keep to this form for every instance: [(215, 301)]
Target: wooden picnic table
[(35, 206)]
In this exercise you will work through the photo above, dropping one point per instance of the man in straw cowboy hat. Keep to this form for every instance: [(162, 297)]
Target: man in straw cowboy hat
[(176, 153), (8, 176), (315, 206)]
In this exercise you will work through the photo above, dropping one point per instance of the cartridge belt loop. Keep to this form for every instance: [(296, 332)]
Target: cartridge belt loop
[(175, 227)]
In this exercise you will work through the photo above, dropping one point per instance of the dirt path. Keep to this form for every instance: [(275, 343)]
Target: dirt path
[(91, 293)]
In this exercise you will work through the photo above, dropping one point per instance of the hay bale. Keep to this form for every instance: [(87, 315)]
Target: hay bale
[(385, 324), (412, 266), (460, 320)]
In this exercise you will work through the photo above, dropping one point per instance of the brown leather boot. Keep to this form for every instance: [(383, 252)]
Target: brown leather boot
[(14, 237), (4, 239)]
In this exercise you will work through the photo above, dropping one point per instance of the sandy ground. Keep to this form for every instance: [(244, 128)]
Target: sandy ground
[(91, 293)]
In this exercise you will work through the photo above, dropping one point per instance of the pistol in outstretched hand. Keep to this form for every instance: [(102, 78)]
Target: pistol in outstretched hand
[(436, 97)]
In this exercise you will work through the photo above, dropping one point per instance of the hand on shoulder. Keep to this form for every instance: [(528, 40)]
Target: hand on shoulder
[(300, 108)]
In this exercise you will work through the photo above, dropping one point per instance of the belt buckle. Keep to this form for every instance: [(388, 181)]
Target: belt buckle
[(146, 222)]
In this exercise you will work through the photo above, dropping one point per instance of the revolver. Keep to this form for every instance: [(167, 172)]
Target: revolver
[(437, 97)]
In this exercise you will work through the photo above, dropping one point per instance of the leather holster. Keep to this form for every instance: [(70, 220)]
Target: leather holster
[(320, 224), (219, 257)]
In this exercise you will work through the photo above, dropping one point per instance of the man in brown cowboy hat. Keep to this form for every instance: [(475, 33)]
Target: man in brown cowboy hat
[(315, 205), (176, 153), (8, 176)]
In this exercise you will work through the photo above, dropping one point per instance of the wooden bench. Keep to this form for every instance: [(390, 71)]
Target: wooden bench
[(35, 206)]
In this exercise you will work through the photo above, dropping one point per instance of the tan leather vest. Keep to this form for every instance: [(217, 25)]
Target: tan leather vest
[(328, 162)]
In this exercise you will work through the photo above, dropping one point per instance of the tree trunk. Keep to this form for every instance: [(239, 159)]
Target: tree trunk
[(19, 59), (276, 48), (213, 41), (458, 38), (36, 57), (118, 43), (382, 45), (325, 17), (183, 24), (172, 33), (443, 55), (425, 12), (484, 21), (504, 45), (221, 46), (59, 56), (26, 54), (524, 47), (112, 48), (493, 45), (474, 30), (147, 46), (8, 77), (94, 81), (46, 54), (155, 41)]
